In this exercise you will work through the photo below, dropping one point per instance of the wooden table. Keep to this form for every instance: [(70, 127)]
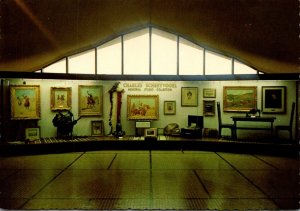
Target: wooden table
[(253, 119)]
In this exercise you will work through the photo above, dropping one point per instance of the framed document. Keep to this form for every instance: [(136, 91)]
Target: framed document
[(209, 93)]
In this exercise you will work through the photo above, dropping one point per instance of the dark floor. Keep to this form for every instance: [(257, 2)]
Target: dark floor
[(149, 179)]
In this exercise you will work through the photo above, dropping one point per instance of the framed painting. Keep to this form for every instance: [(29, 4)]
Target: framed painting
[(90, 101), (209, 107), (61, 98), (32, 134), (25, 102), (151, 132), (97, 128), (209, 93), (239, 98), (273, 99), (189, 96), (144, 107), (169, 107)]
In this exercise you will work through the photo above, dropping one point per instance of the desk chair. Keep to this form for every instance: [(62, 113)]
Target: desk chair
[(223, 125), (287, 127)]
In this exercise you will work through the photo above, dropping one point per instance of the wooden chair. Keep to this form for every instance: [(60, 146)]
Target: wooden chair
[(289, 127), (223, 125)]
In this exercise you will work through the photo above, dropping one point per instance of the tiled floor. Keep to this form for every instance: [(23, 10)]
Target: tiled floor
[(149, 180)]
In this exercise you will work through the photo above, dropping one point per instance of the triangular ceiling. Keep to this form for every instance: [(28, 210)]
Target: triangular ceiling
[(261, 33)]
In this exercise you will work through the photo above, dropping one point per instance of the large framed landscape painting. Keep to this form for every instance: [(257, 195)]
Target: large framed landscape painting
[(239, 98), (142, 107), (25, 102), (90, 100)]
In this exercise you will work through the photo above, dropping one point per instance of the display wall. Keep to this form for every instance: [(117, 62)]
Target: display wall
[(166, 91)]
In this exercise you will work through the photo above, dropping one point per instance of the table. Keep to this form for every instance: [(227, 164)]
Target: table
[(253, 119)]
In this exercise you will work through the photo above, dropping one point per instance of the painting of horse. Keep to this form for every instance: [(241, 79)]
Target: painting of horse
[(90, 100)]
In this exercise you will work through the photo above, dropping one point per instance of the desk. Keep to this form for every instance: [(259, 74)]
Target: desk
[(191, 132), (253, 119)]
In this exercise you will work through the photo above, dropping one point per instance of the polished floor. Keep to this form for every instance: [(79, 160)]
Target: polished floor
[(149, 179)]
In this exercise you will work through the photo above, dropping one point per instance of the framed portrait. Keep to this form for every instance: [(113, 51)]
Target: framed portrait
[(97, 128), (209, 93), (189, 96), (273, 99), (239, 98), (209, 107), (90, 101), (151, 132), (142, 107), (25, 102), (169, 107), (32, 134), (61, 98)]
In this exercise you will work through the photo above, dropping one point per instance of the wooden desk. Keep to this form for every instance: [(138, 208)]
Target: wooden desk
[(253, 119)]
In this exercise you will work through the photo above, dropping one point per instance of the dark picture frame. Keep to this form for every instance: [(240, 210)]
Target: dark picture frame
[(209, 107), (273, 99), (189, 96)]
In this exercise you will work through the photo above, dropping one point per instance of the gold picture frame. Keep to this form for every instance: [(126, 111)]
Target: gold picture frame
[(97, 128), (239, 98), (145, 107), (25, 102), (61, 98), (189, 96), (169, 107), (90, 100)]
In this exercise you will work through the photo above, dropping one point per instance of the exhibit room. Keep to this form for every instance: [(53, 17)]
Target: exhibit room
[(117, 105)]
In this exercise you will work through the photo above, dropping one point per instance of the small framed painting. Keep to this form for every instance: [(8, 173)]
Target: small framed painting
[(189, 96), (151, 132), (169, 107), (273, 99), (97, 128), (61, 98), (32, 134), (209, 93)]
